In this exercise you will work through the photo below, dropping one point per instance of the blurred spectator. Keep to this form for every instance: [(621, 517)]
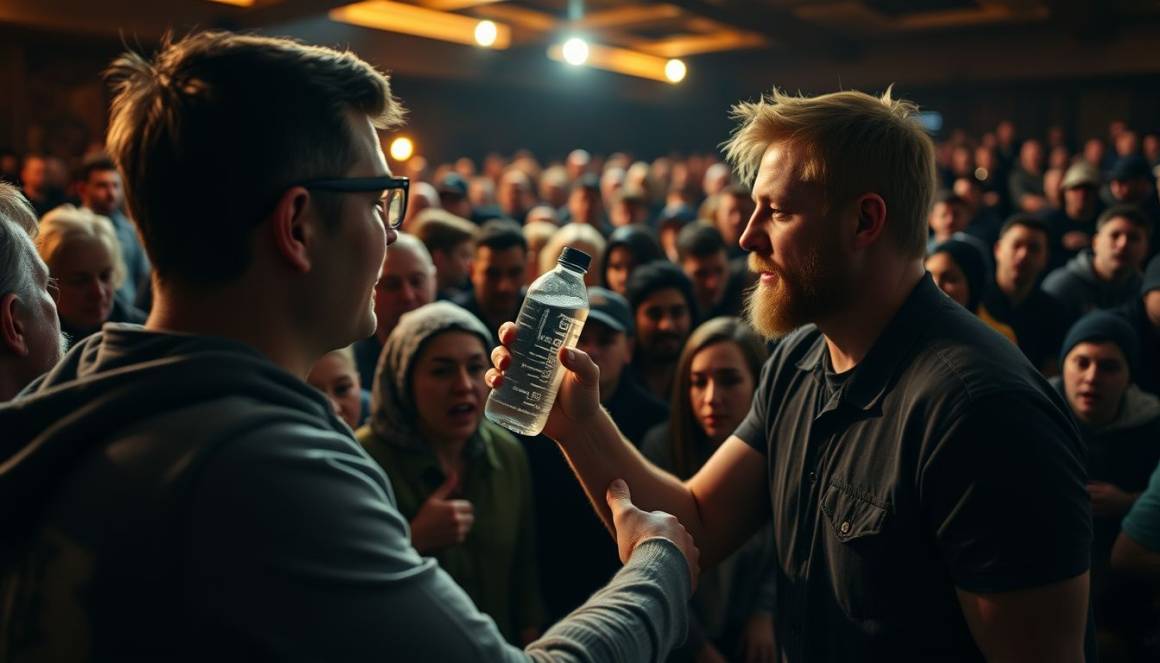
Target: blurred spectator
[(537, 234), (628, 248), (1132, 182), (1109, 275), (461, 481), (989, 175), (1026, 179), (584, 203), (959, 268), (578, 236), (669, 223), (664, 311), (1094, 153), (543, 214), (30, 338), (949, 215), (732, 616), (1121, 427), (452, 190), (1143, 314), (1015, 300), (10, 167), (984, 223), (577, 164), (407, 282), (514, 195), (34, 181), (1150, 148), (733, 211), (554, 186), (611, 183), (84, 258), (1073, 224), (497, 274), (336, 376), (450, 240), (717, 177), (1006, 145), (101, 192), (628, 207), (702, 256), (422, 196), (481, 193), (608, 338)]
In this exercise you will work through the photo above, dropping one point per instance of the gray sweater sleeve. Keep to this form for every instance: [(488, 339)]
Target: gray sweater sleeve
[(297, 549)]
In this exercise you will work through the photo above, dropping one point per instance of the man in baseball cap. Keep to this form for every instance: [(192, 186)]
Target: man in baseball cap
[(1073, 225)]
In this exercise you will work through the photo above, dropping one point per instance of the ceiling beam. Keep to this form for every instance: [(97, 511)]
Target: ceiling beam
[(286, 11), (454, 5), (780, 26)]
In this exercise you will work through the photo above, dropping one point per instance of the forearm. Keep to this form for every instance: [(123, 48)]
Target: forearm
[(599, 454)]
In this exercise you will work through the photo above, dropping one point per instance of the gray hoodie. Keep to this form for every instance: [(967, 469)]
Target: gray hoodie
[(171, 497), (1077, 286)]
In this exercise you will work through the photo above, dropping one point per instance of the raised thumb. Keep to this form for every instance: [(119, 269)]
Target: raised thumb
[(449, 485), (618, 496), (581, 366)]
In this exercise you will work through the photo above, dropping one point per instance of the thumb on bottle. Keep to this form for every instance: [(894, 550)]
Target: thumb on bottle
[(581, 365)]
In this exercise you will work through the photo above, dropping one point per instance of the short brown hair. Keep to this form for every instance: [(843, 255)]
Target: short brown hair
[(441, 230), (209, 132), (854, 144)]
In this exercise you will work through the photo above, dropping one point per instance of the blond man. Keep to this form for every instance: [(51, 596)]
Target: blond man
[(925, 486)]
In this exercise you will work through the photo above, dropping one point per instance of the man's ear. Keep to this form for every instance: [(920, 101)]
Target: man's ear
[(12, 330), (871, 210), (293, 226)]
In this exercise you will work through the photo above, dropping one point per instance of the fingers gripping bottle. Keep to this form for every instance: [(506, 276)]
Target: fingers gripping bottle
[(551, 318)]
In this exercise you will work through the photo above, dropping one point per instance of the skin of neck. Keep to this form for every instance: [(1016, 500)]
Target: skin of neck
[(255, 310), (883, 286), (448, 451)]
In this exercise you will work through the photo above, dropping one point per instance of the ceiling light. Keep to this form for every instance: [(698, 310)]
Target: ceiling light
[(575, 51), (421, 22), (485, 33), (675, 71), (622, 61), (402, 148)]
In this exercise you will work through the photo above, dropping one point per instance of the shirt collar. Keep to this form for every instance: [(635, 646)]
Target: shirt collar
[(897, 342)]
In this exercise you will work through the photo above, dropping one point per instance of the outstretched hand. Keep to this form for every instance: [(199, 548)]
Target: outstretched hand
[(579, 397)]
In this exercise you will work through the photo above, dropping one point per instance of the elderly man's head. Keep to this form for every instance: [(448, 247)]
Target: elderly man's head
[(408, 282), (30, 338)]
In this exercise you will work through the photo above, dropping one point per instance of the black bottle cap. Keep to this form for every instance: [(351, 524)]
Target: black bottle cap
[(575, 258)]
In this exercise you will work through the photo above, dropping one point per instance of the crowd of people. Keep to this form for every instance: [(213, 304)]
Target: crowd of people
[(1042, 245)]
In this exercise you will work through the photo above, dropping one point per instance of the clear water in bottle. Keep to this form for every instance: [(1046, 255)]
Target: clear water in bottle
[(547, 322)]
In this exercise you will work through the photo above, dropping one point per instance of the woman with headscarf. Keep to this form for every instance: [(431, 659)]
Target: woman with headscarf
[(959, 269), (461, 481)]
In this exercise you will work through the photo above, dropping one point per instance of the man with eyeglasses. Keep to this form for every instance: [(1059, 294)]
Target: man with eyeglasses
[(177, 491)]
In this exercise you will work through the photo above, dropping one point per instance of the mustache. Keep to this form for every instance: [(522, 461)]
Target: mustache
[(759, 264)]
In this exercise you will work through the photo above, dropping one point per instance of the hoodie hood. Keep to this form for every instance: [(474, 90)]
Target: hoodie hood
[(1138, 409), (120, 377), (1081, 267)]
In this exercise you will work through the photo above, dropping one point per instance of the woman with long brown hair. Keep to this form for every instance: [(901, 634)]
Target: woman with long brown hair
[(715, 381)]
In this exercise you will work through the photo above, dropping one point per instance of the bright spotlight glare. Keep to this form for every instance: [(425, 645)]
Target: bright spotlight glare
[(675, 71), (575, 51), (402, 148), (486, 33)]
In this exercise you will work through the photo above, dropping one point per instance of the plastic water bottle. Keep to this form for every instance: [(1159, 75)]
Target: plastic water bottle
[(551, 318)]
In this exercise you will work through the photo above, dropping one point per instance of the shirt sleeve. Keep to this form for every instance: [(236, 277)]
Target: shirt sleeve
[(1142, 523), (1003, 491), (753, 428), (297, 551)]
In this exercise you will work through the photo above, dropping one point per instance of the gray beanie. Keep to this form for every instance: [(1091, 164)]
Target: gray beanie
[(392, 412)]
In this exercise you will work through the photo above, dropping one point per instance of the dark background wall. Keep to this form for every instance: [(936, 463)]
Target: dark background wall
[(52, 98)]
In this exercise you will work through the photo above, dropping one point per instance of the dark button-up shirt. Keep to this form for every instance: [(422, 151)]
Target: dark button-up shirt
[(942, 460)]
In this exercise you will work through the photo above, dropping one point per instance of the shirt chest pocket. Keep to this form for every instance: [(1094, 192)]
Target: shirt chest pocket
[(855, 541)]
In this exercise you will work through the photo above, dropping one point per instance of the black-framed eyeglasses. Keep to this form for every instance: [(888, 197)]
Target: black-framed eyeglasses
[(392, 204)]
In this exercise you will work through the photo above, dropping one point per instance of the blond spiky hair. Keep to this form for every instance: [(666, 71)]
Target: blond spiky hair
[(854, 143)]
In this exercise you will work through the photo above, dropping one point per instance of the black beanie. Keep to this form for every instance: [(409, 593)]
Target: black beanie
[(970, 260), (1103, 327)]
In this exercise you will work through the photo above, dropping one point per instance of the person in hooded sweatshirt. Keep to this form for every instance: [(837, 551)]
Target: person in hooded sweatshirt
[(1109, 275), (1143, 313), (461, 481), (177, 491), (1121, 427)]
